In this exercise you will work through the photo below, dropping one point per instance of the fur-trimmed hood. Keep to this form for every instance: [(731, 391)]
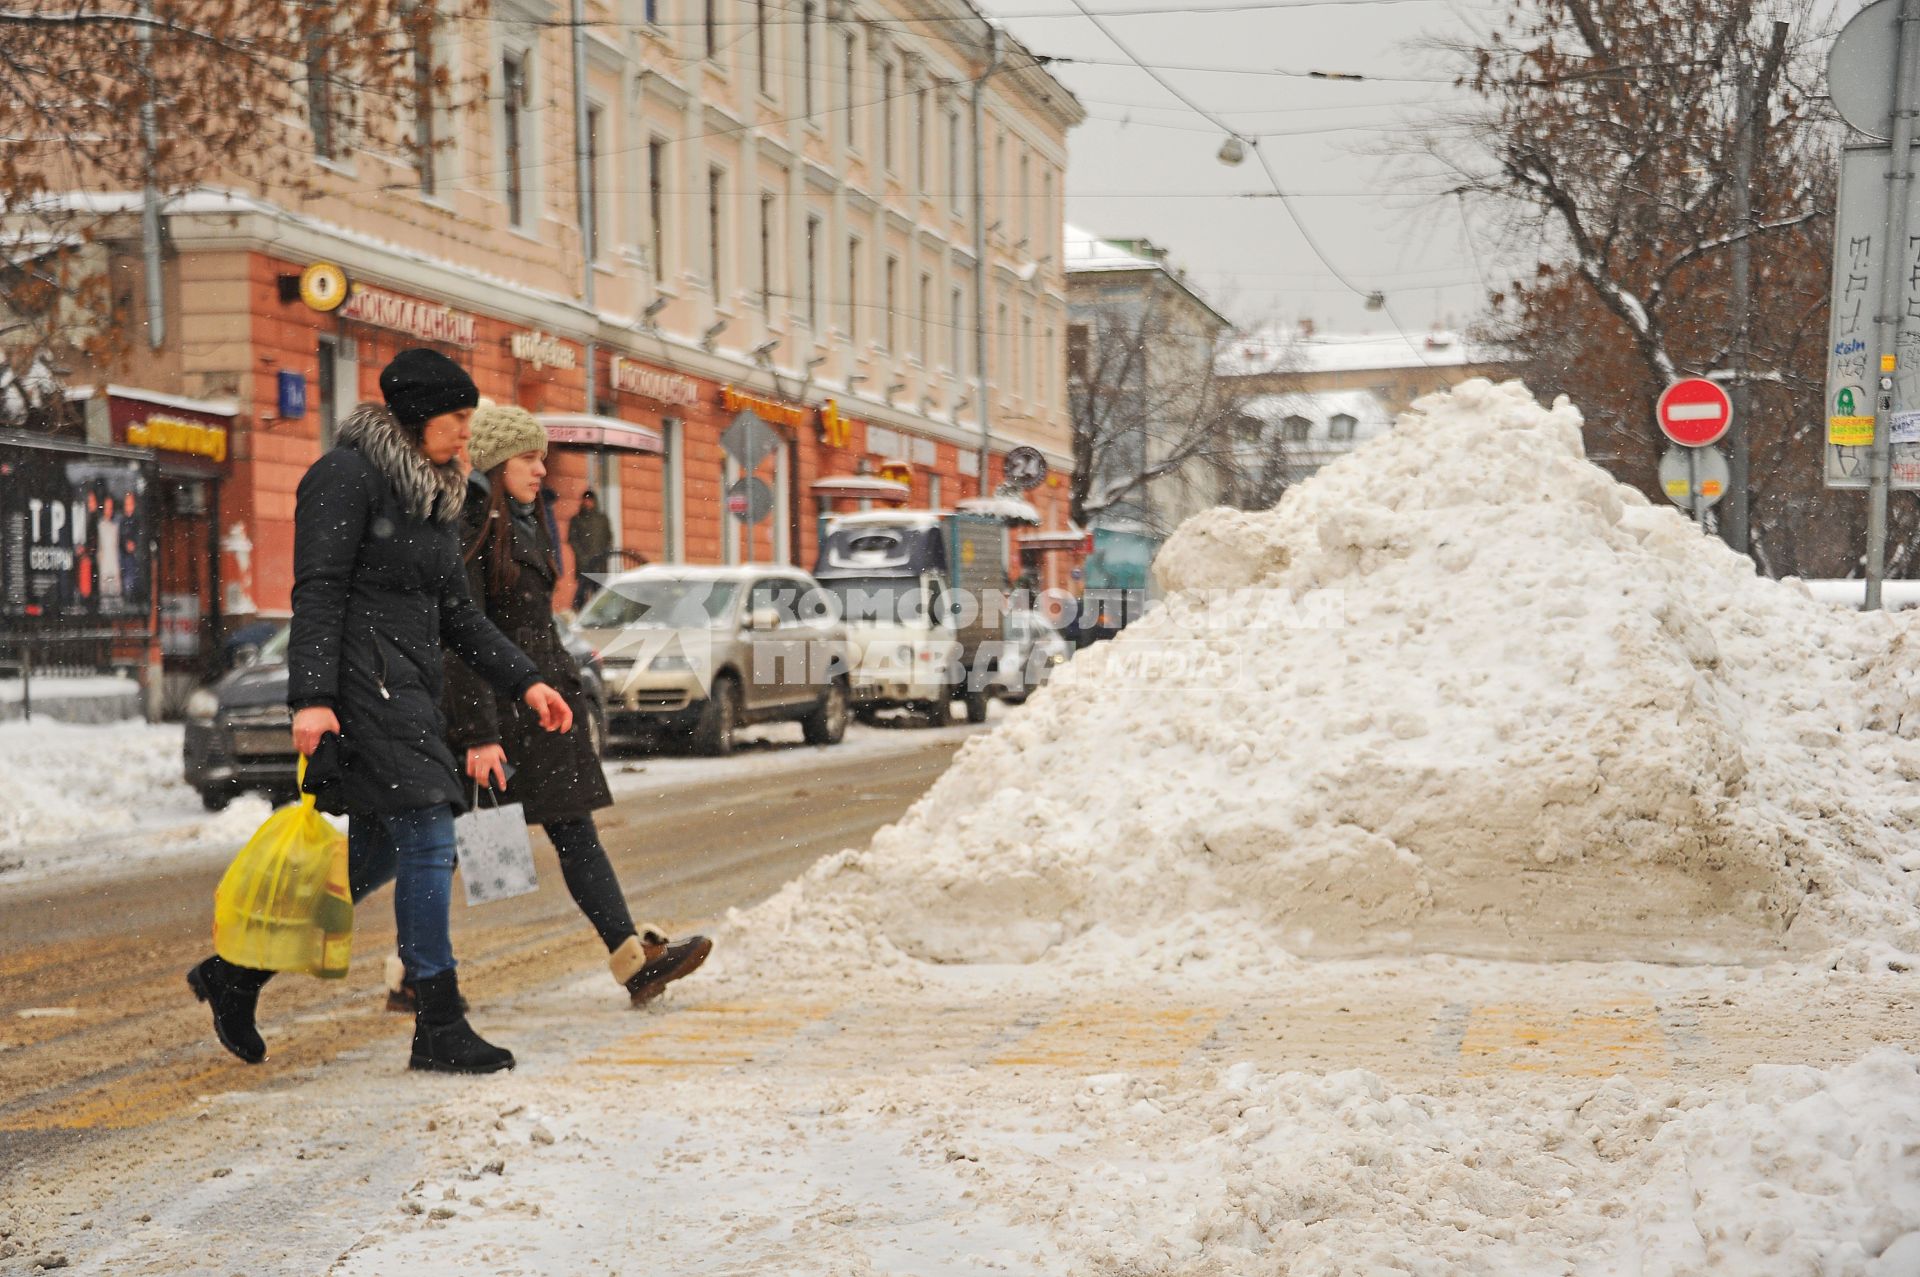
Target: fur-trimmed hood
[(429, 491)]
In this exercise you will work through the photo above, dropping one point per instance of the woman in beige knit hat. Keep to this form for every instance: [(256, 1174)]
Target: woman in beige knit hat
[(513, 569)]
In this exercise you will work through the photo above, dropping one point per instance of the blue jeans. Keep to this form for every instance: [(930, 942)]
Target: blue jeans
[(414, 851)]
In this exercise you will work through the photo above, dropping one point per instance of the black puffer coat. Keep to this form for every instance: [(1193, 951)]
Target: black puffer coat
[(555, 777), (378, 588)]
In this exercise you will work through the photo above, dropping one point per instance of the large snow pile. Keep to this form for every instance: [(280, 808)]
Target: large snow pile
[(1460, 692)]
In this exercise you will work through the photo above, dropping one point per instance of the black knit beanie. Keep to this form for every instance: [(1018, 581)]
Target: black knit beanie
[(421, 384)]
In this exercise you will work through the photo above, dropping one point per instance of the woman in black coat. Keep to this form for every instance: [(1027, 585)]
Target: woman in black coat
[(378, 589), (512, 566)]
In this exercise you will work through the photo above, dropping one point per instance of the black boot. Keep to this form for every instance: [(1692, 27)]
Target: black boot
[(232, 992), (401, 998), (646, 964), (443, 1041)]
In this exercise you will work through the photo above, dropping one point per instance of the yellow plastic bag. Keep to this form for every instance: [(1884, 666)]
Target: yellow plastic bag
[(284, 904)]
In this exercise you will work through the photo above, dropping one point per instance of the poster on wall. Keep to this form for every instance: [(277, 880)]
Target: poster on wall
[(74, 537)]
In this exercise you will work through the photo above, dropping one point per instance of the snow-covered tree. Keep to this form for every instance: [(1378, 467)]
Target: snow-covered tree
[(1607, 139), (1151, 414)]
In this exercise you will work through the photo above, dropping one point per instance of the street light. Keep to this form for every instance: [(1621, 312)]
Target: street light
[(1233, 152)]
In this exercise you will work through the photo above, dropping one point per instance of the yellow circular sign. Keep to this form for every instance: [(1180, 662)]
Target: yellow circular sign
[(323, 286)]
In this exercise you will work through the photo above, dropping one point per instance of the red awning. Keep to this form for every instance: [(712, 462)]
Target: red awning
[(581, 430)]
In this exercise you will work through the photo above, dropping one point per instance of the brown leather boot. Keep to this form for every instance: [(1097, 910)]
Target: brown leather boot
[(647, 963)]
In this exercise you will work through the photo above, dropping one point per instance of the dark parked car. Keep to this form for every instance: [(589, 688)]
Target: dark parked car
[(239, 731)]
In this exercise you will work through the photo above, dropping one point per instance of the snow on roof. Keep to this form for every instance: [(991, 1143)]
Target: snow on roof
[(1285, 349), (1012, 509), (1320, 407), (1086, 251), (212, 407)]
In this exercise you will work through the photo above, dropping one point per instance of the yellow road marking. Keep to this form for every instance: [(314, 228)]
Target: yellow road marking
[(1112, 1035), (1623, 1037), (712, 1034)]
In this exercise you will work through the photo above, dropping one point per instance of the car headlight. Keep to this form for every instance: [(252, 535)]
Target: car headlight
[(669, 662), (203, 706)]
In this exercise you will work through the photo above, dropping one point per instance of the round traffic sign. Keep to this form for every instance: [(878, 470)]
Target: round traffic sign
[(1025, 468), (1694, 412), (1687, 475), (1861, 69)]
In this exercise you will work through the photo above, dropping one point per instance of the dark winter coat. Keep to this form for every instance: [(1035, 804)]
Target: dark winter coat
[(590, 533), (378, 589), (556, 777)]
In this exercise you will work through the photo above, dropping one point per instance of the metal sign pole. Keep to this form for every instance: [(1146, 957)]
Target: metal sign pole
[(1892, 285), (1693, 487)]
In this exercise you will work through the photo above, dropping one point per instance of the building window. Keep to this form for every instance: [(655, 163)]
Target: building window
[(920, 141), (886, 115), (1003, 330), (955, 186), (590, 198), (420, 19), (850, 50), (813, 273), (712, 28), (760, 43), (714, 179), (957, 333), (653, 10), (320, 113), (513, 98), (890, 339), (924, 304), (672, 489), (1026, 205), (806, 60), (1297, 429), (1023, 359), (766, 253), (328, 391), (1046, 369), (933, 492), (999, 184), (1077, 352), (657, 207), (853, 288), (1340, 428), (1049, 223)]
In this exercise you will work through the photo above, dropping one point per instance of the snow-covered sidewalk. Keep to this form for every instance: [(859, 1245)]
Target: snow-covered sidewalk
[(108, 799), (1440, 1117)]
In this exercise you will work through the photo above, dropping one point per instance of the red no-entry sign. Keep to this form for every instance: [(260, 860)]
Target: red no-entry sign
[(1694, 412)]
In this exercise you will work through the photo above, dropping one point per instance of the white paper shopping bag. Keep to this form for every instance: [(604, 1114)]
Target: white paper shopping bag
[(496, 853)]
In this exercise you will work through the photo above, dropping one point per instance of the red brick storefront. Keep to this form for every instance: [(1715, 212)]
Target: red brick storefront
[(668, 482)]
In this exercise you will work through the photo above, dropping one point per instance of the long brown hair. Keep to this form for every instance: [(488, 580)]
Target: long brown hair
[(496, 537)]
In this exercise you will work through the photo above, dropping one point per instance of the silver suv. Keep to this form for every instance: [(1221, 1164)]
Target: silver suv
[(694, 653)]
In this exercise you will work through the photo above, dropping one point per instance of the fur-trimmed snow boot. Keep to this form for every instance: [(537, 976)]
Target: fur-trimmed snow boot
[(233, 993), (647, 963), (443, 1041), (401, 998)]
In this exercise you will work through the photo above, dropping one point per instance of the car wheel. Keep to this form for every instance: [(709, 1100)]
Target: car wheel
[(718, 718), (216, 799), (826, 724), (977, 706), (940, 711)]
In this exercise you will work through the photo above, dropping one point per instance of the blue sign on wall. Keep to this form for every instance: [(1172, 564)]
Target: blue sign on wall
[(293, 394)]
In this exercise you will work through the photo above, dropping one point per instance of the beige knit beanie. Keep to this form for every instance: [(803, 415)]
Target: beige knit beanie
[(501, 431)]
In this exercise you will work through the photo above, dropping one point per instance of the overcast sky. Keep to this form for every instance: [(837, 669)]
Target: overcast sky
[(1143, 164)]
